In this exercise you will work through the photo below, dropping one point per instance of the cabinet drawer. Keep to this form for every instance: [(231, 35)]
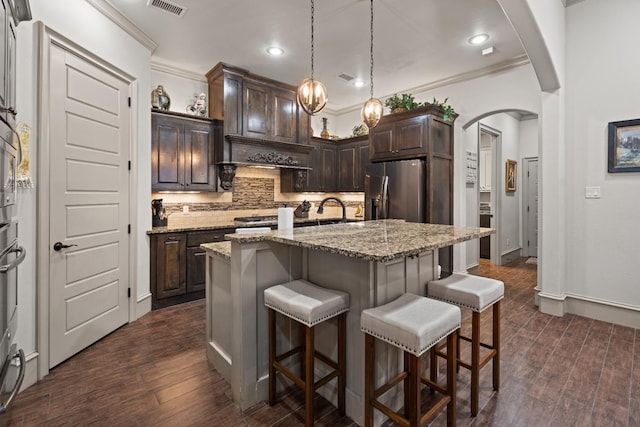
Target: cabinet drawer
[(196, 238), (196, 262)]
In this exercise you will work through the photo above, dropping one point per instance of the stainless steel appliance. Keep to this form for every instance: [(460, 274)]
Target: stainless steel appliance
[(398, 190), (11, 255)]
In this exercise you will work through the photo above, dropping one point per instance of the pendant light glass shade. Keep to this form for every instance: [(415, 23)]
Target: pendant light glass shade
[(372, 112), (312, 96)]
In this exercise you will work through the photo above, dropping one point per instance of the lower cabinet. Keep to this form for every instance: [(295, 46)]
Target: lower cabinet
[(178, 265)]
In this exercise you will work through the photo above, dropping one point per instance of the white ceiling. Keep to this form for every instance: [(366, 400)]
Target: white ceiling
[(416, 42)]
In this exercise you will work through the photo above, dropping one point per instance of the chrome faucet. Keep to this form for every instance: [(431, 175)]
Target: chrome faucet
[(344, 208)]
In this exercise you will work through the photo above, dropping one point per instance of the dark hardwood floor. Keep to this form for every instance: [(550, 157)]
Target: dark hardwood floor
[(154, 372)]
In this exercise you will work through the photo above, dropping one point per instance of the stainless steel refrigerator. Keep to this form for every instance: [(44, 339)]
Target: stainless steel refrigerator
[(398, 190)]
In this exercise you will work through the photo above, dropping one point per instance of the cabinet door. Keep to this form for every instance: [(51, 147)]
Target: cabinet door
[(347, 168), (170, 264), (284, 115), (380, 142), (167, 165), (198, 157), (3, 57), (328, 179), (361, 166), (196, 262), (257, 119), (411, 137), (11, 73)]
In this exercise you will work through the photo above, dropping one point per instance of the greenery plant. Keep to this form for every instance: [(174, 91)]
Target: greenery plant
[(360, 130), (407, 101)]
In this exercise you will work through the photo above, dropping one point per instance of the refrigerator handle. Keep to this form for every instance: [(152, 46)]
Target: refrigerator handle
[(384, 198)]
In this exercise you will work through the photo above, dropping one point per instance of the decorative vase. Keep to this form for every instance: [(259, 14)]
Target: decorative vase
[(160, 99), (399, 110), (325, 132)]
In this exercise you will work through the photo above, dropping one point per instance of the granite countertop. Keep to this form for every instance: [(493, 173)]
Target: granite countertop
[(222, 249), (217, 225), (382, 240)]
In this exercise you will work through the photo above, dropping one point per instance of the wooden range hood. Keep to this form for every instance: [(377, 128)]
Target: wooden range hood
[(262, 123)]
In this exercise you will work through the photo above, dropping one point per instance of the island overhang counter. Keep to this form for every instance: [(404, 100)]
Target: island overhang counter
[(374, 261)]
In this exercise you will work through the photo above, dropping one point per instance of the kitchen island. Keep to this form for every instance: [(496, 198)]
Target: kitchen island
[(374, 261)]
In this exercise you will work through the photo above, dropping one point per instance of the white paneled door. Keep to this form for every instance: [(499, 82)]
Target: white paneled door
[(89, 203)]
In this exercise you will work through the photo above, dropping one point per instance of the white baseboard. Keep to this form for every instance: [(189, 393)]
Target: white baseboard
[(509, 256), (31, 371), (592, 308), (143, 305)]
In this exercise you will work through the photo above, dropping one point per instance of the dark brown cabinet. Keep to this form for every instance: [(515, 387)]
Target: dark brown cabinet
[(322, 175), (270, 112), (400, 139), (353, 158), (178, 265), (485, 242), (182, 153), (169, 265)]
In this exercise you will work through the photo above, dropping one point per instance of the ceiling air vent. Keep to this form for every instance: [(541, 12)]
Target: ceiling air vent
[(167, 6), (346, 77)]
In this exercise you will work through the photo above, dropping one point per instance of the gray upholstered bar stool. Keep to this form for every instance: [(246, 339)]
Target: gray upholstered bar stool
[(477, 294), (309, 305), (414, 324)]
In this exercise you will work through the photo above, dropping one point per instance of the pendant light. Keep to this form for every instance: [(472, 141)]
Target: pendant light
[(312, 95), (372, 110)]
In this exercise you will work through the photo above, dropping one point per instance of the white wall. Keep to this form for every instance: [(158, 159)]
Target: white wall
[(82, 24), (601, 86), (529, 138), (181, 90)]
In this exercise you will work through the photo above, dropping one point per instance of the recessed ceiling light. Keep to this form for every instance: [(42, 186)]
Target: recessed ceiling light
[(359, 83), (479, 39), (275, 51)]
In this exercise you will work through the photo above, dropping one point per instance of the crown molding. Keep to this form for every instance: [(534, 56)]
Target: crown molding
[(115, 16), (458, 78), (170, 69)]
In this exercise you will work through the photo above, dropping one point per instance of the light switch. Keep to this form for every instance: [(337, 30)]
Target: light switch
[(592, 192)]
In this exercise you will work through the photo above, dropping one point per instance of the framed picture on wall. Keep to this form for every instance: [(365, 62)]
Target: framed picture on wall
[(624, 146), (511, 176)]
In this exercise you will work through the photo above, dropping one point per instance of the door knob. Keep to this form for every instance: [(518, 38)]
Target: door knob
[(59, 245)]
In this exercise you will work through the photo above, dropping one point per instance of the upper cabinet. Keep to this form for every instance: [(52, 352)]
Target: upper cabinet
[(484, 178), (182, 155), (335, 166), (255, 107), (411, 134), (12, 12), (262, 123), (353, 158)]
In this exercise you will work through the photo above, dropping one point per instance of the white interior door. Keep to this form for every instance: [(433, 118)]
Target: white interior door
[(89, 203), (530, 208)]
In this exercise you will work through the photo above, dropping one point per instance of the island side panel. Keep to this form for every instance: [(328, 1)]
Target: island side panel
[(219, 313), (369, 284), (254, 268)]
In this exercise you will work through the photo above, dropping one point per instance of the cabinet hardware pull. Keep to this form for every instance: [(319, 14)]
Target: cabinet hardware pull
[(199, 254), (171, 242)]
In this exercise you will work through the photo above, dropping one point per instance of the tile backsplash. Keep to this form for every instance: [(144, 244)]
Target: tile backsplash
[(256, 191)]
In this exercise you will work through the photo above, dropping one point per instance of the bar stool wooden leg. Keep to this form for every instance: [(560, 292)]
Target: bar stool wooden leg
[(309, 378), (414, 390), (272, 357), (302, 336), (407, 386), (369, 357), (433, 365), (475, 361), (342, 361), (452, 364), (496, 345)]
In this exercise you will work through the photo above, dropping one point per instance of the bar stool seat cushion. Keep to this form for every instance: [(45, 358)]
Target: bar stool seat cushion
[(411, 322), (465, 290), (306, 302)]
